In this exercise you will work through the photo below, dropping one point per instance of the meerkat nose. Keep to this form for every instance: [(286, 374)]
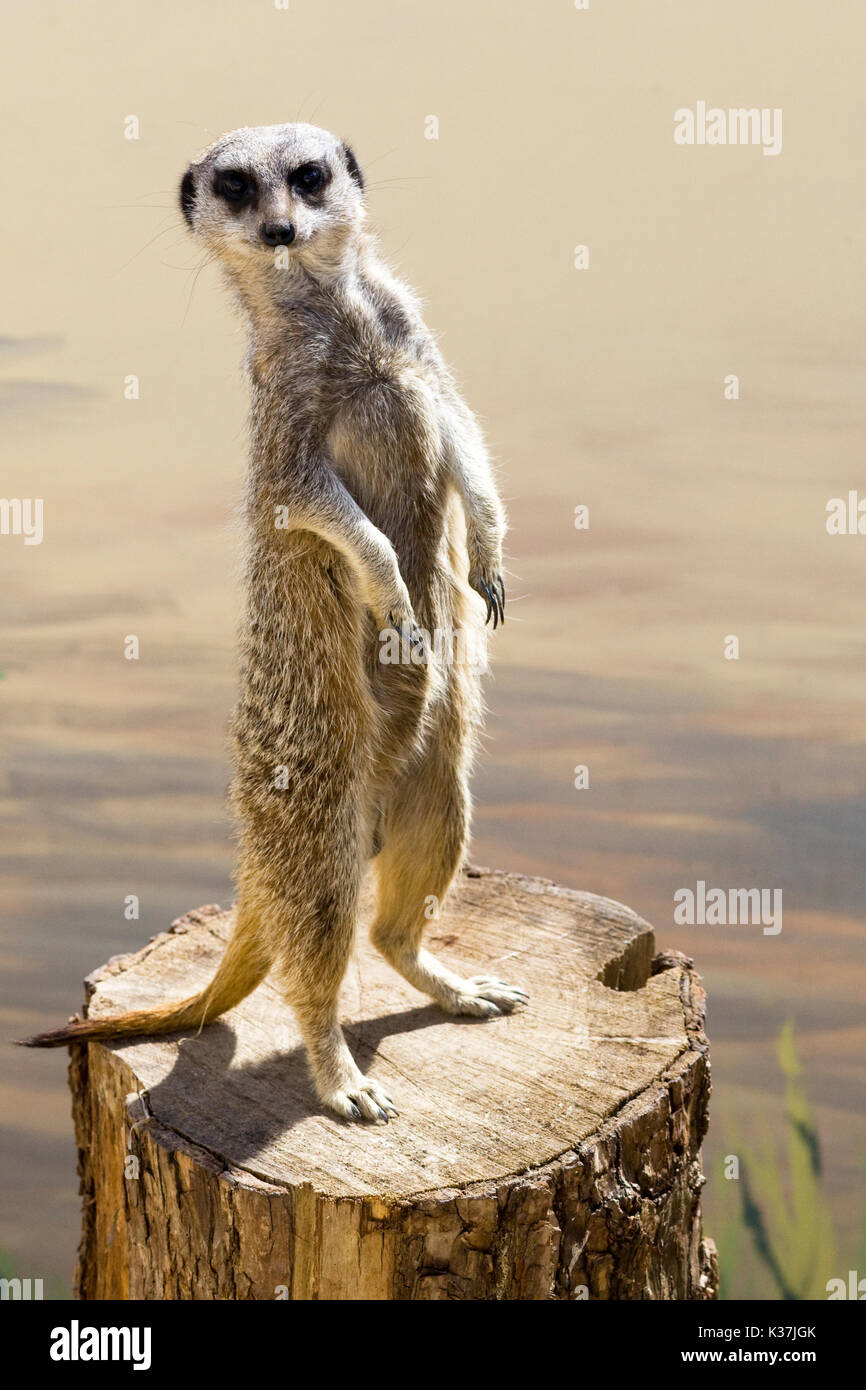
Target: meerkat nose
[(278, 233)]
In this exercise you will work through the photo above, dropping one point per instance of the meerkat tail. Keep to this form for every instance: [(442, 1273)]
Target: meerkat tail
[(242, 967)]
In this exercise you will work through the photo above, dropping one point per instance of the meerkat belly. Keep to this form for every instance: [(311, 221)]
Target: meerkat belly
[(305, 715), (385, 415), (386, 445)]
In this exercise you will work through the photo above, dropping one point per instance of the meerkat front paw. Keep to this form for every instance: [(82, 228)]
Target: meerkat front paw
[(491, 587), (360, 1099), (402, 619), (484, 996), (411, 634)]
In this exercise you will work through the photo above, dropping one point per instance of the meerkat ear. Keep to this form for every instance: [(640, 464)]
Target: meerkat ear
[(187, 195), (353, 167)]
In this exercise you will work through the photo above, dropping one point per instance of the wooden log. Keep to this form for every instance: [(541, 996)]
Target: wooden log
[(554, 1153)]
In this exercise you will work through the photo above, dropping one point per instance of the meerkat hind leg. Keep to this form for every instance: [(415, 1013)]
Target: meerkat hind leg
[(340, 1083), (311, 955), (422, 850)]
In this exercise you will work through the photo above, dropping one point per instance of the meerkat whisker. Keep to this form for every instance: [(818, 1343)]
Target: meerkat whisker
[(172, 227)]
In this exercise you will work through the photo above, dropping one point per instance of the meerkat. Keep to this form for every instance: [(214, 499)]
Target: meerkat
[(370, 508)]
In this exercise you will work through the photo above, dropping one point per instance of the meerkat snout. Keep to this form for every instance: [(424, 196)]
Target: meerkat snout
[(277, 233)]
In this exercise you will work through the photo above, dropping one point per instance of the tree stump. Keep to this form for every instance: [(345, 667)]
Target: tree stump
[(554, 1153)]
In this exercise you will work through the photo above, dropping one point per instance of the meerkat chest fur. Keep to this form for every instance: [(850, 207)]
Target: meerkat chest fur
[(353, 374)]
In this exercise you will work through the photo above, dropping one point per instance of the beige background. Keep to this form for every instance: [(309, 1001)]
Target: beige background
[(602, 387)]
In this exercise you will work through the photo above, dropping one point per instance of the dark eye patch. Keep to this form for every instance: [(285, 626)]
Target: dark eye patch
[(309, 179), (353, 166), (236, 186), (187, 195)]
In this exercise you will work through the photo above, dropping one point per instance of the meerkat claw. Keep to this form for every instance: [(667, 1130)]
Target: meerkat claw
[(481, 588), (365, 1101), (500, 595), (492, 610), (498, 602), (493, 594), (484, 980), (408, 632)]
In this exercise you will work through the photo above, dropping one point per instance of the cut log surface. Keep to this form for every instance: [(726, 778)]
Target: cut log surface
[(554, 1153)]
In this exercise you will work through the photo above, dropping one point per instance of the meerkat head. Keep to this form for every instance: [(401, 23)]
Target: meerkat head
[(283, 186)]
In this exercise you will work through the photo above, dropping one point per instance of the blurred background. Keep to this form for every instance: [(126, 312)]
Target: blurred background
[(600, 387)]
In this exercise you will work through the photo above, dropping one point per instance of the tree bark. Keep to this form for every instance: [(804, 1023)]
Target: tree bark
[(553, 1154)]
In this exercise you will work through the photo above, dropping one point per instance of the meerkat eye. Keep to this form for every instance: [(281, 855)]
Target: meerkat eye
[(234, 185), (310, 178)]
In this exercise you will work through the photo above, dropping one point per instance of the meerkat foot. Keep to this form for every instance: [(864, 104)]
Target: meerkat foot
[(483, 996), (361, 1099), (340, 1084)]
